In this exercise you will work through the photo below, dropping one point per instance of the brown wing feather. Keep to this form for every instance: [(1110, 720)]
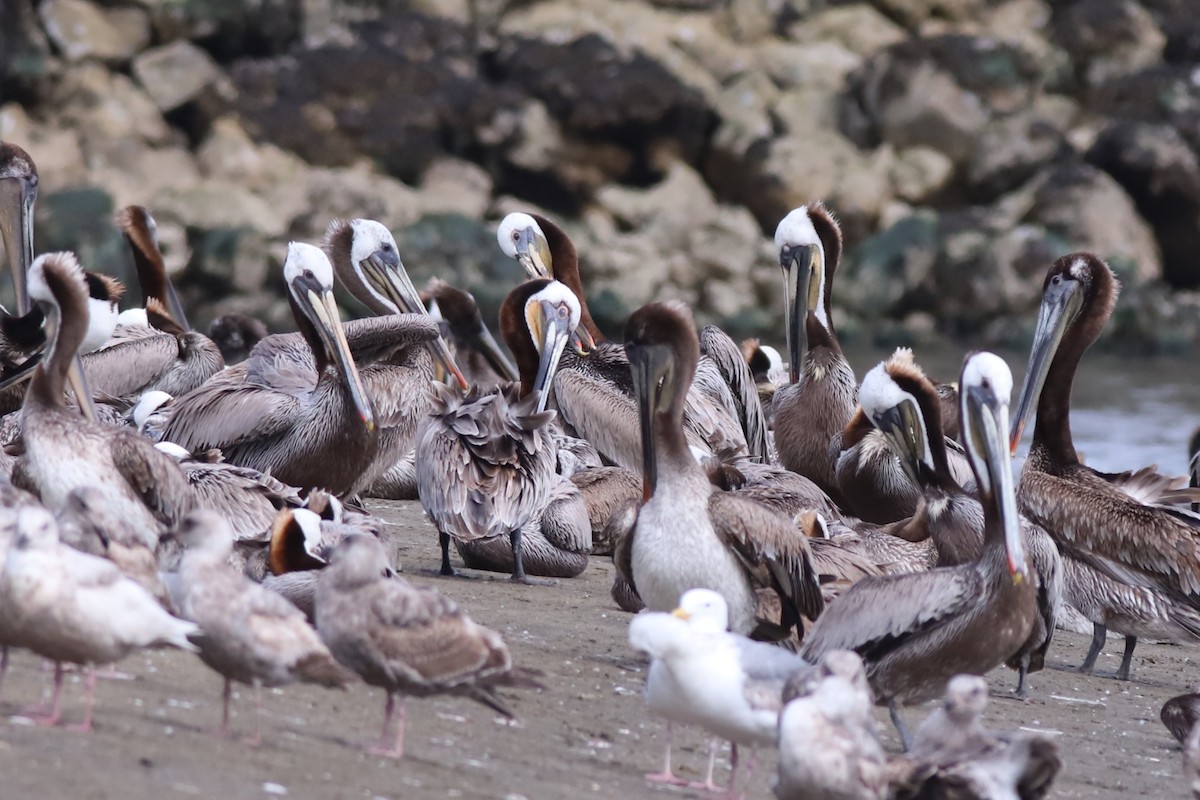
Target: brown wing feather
[(153, 475), (1084, 508), (764, 539)]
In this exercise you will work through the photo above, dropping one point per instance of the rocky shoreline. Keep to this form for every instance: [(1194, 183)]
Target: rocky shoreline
[(964, 144)]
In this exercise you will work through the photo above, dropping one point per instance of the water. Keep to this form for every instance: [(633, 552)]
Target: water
[(1125, 412)]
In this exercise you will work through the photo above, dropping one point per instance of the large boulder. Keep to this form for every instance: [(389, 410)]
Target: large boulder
[(1108, 38), (402, 90), (80, 29), (1157, 168), (1087, 208)]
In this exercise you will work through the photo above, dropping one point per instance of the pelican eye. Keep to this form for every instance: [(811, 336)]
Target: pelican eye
[(516, 236), (1056, 280), (562, 312)]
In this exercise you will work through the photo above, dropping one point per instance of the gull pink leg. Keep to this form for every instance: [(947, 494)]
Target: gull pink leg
[(389, 711), (89, 695), (666, 776), (55, 714), (708, 784)]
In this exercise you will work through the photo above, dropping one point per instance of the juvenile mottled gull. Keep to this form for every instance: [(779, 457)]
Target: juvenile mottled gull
[(250, 634), (701, 674), (828, 745), (69, 606), (405, 639), (955, 756)]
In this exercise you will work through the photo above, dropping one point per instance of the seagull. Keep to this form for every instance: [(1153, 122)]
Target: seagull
[(408, 640), (250, 634), (69, 606), (702, 674), (828, 745)]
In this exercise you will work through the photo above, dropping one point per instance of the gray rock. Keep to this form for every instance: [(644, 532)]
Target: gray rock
[(1161, 173), (1108, 38), (80, 29), (1087, 208), (404, 91), (106, 107), (175, 73), (230, 260), (80, 220), (936, 92), (1009, 151)]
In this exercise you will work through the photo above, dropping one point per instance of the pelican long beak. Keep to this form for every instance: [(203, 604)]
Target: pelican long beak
[(550, 325), (388, 276), (495, 356), (649, 365), (79, 385), (797, 267), (1060, 306), (987, 425), (17, 199), (533, 253), (904, 427), (320, 307)]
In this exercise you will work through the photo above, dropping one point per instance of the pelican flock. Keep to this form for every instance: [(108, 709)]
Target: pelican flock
[(801, 547)]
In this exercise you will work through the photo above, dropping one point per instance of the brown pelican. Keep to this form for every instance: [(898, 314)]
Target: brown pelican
[(23, 335), (1129, 542), (593, 394), (367, 262), (906, 408), (248, 634), (141, 486), (769, 371), (163, 355), (386, 630), (487, 460), (69, 606), (476, 351), (235, 335), (701, 674), (300, 411), (141, 234), (18, 195), (814, 408), (687, 534), (828, 745), (248, 499), (916, 631), (1194, 465)]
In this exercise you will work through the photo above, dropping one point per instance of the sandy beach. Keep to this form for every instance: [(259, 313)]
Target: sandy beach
[(586, 734)]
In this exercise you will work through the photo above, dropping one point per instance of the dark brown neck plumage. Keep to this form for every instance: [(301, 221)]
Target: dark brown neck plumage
[(566, 270), (515, 331)]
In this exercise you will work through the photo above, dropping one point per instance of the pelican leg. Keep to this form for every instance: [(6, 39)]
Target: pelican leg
[(666, 776), (1099, 634), (55, 713), (519, 575), (89, 700), (444, 541), (1127, 659), (1022, 690), (901, 728), (708, 785)]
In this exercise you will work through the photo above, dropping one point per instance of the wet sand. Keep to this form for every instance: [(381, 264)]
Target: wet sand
[(587, 734)]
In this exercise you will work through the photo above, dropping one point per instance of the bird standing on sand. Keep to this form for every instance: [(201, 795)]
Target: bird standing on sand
[(248, 634), (408, 640), (69, 606)]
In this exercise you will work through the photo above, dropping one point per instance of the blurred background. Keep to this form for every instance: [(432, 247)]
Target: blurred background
[(964, 144)]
